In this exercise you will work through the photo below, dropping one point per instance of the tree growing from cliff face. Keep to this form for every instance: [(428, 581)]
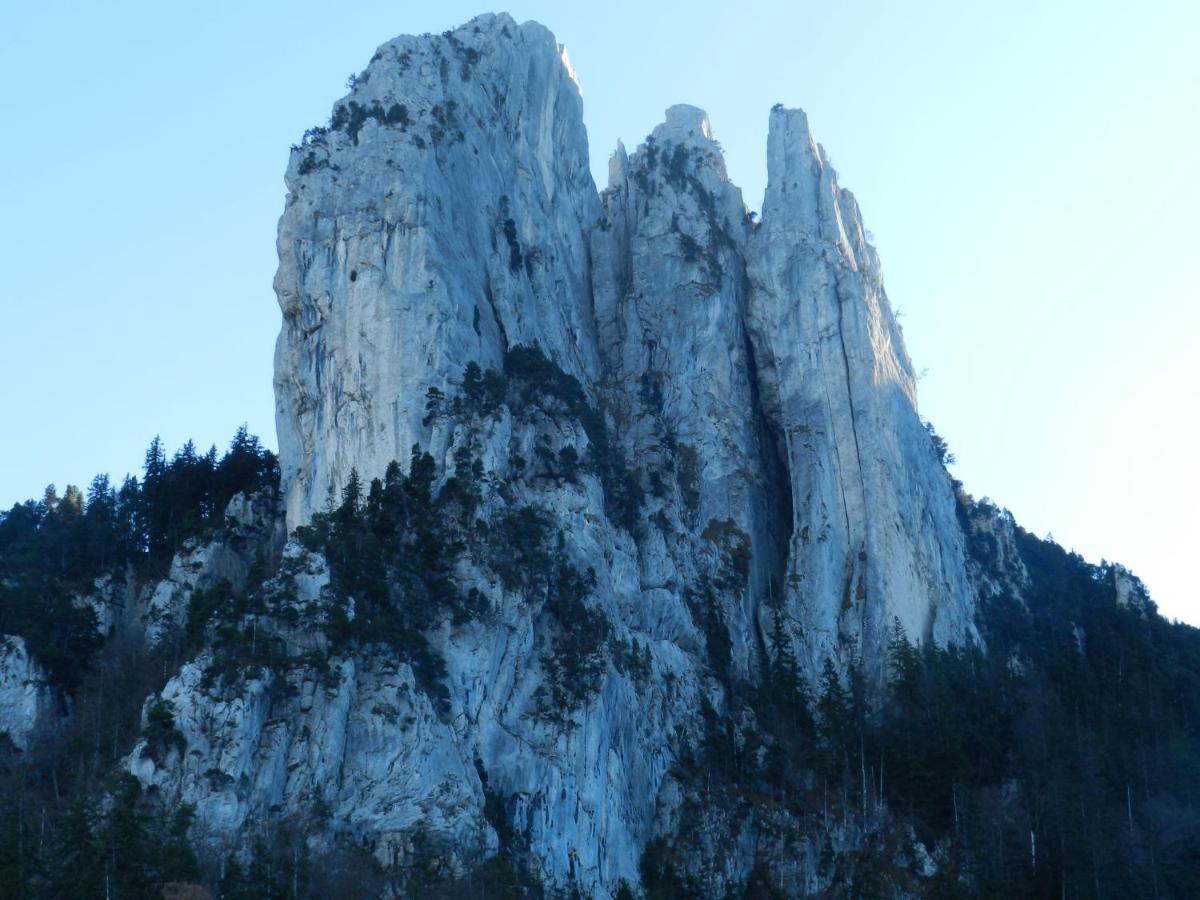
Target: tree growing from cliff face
[(940, 448)]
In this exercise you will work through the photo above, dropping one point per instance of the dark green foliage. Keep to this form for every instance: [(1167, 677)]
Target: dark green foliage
[(706, 607), (77, 850), (782, 704), (677, 167), (60, 634), (497, 878), (650, 391), (948, 725), (517, 548), (514, 246), (690, 248), (760, 886), (240, 650), (661, 879), (532, 376), (220, 602), (276, 865), (940, 448), (53, 549), (1077, 725), (1075, 733), (161, 733), (482, 393), (531, 379), (265, 875), (394, 555), (728, 580), (633, 658), (679, 172), (578, 658), (312, 162), (687, 469), (125, 847), (351, 117), (445, 121), (836, 723)]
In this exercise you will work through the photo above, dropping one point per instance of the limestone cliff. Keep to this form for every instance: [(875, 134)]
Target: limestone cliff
[(707, 424), (26, 698), (447, 214)]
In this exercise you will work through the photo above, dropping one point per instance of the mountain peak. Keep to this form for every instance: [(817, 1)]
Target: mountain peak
[(683, 124)]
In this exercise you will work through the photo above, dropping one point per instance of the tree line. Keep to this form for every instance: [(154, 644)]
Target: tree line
[(52, 550)]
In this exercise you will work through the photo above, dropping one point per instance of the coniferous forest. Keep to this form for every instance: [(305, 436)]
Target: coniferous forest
[(1061, 760)]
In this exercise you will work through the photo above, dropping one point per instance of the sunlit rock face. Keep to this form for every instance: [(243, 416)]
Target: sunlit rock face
[(749, 376), (874, 539), (452, 215), (445, 218)]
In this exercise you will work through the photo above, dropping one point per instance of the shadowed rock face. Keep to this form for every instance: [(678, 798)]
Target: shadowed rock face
[(751, 376)]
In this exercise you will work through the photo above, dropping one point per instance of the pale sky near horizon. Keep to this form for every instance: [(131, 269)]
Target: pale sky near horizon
[(1029, 171)]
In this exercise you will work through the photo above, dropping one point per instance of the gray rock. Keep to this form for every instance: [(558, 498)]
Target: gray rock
[(874, 537), (410, 249), (27, 699), (751, 376)]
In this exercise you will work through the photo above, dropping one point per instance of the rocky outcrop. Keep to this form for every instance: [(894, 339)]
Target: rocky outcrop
[(447, 214), (253, 534), (710, 421), (874, 538), (442, 217), (26, 697)]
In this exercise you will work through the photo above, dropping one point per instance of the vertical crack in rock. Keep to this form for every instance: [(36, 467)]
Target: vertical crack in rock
[(491, 299), (777, 474), (841, 303)]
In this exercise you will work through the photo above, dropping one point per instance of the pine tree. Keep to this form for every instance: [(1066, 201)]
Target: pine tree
[(127, 867), (834, 717), (77, 852)]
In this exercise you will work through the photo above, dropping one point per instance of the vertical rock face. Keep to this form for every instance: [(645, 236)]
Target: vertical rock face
[(442, 217), (756, 482), (26, 697), (671, 297), (448, 214), (874, 538)]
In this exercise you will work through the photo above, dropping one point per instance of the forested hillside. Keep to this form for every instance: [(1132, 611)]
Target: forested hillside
[(1060, 759)]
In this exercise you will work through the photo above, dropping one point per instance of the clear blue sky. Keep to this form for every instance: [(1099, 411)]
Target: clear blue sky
[(1029, 171)]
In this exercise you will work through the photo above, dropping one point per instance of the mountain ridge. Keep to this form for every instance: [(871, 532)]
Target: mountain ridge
[(606, 552)]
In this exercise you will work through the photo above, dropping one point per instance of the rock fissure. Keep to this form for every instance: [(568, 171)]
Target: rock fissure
[(849, 388)]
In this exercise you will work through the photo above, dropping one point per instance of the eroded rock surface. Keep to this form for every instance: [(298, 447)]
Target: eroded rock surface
[(715, 416), (26, 697)]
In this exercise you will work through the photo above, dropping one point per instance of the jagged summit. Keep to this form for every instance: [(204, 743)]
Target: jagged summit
[(606, 556), (453, 192), (753, 457)]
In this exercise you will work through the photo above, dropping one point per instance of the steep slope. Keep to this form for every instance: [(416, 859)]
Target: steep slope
[(756, 485), (447, 214), (874, 513), (440, 217), (597, 516)]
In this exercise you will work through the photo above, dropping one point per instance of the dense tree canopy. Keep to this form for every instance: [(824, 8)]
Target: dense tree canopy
[(52, 549)]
